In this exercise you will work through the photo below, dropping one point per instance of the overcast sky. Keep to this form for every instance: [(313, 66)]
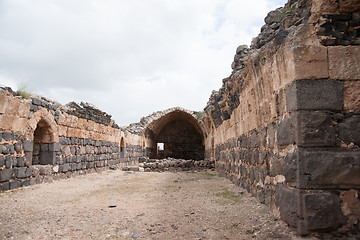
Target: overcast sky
[(128, 58)]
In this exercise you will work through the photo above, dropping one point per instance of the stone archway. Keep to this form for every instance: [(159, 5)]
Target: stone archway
[(43, 139), (176, 134)]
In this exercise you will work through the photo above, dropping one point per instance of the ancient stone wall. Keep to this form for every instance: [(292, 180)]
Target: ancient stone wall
[(285, 124), (41, 141)]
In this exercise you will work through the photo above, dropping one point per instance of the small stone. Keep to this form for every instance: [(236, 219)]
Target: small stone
[(174, 226), (137, 235), (112, 206)]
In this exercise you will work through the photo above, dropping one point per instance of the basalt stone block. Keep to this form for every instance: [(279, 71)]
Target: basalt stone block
[(44, 147), (328, 168), (290, 167), (286, 133), (13, 184), (8, 161), (18, 147), (20, 172), (318, 94), (20, 162), (55, 147), (28, 158), (4, 186), (349, 130), (286, 199), (5, 174), (28, 146), (315, 128), (47, 158), (8, 136), (2, 161), (322, 211)]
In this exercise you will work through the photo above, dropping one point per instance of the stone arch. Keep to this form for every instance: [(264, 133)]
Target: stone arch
[(179, 132), (122, 148), (43, 138)]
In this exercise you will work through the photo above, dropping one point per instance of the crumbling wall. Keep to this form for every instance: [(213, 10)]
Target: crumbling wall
[(285, 124), (41, 140)]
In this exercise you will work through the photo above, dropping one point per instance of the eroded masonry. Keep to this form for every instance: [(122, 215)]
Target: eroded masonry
[(285, 125)]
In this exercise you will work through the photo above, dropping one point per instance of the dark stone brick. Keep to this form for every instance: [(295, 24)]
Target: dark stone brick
[(2, 161), (64, 168), (20, 172), (328, 168), (28, 172), (290, 167), (4, 186), (25, 183), (18, 147), (322, 211), (5, 149), (28, 158), (315, 128), (317, 94), (20, 162), (286, 133), (28, 146), (276, 165), (5, 174), (286, 200), (54, 147), (0, 137), (11, 149), (8, 136), (13, 184), (34, 108), (36, 101), (47, 158), (338, 16), (8, 161), (349, 130), (45, 147)]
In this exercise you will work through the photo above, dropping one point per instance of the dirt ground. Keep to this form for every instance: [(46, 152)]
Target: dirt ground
[(138, 205)]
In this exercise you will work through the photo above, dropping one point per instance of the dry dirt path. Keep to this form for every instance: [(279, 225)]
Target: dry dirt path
[(134, 205)]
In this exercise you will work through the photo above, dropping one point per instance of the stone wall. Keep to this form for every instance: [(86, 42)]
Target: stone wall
[(285, 124), (41, 140)]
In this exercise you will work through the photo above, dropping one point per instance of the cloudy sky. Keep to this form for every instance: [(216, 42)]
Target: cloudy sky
[(128, 58)]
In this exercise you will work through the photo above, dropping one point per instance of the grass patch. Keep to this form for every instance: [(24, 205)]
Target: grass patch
[(23, 92), (229, 195)]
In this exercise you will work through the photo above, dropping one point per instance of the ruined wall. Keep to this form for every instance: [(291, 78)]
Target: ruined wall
[(285, 124), (41, 141)]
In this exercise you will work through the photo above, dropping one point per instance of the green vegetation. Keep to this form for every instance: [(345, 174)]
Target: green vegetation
[(229, 195), (23, 91)]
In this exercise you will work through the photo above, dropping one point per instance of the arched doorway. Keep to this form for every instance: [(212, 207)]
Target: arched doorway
[(177, 135), (43, 148), (122, 148)]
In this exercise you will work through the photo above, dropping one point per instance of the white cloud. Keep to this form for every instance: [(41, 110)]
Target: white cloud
[(129, 58)]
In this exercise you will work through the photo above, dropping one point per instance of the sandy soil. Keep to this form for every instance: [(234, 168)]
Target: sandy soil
[(138, 205)]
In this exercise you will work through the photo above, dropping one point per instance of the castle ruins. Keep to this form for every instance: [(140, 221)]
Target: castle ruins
[(285, 125)]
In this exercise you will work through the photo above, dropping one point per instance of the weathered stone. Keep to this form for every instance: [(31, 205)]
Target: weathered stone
[(2, 161), (286, 199), (28, 146), (315, 128), (349, 130), (5, 174), (322, 211), (324, 168), (54, 147), (319, 94), (286, 133), (341, 62), (13, 184)]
